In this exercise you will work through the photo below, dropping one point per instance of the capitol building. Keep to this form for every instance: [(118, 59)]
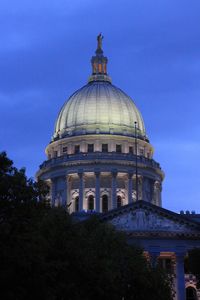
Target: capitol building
[(99, 134), (100, 161)]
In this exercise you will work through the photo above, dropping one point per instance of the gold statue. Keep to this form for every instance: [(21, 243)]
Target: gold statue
[(99, 41)]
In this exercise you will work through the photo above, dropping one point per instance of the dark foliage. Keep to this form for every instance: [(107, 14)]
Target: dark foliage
[(44, 255), (193, 263)]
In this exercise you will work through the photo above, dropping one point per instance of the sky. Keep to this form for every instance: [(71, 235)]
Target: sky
[(153, 49)]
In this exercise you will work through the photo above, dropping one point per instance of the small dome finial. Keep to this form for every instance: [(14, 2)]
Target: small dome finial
[(99, 41), (99, 63)]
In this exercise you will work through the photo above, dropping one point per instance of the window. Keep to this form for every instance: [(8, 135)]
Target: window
[(64, 149), (104, 203), (91, 202), (76, 149), (90, 147), (141, 151), (77, 203), (118, 148), (104, 147), (119, 201), (131, 150), (166, 264), (55, 153)]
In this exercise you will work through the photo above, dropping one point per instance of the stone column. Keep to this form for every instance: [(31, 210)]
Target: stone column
[(114, 191), (59, 150), (157, 193), (64, 196), (81, 191), (180, 277), (68, 190), (60, 191), (69, 200), (97, 192), (130, 187), (140, 184), (53, 191)]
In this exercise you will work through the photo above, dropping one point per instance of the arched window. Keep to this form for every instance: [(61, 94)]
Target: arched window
[(191, 293), (91, 202), (104, 203), (77, 203), (119, 201)]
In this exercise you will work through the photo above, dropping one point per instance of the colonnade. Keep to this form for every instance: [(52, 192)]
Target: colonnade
[(61, 190)]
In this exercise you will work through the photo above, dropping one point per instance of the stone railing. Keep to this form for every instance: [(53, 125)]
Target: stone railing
[(100, 156)]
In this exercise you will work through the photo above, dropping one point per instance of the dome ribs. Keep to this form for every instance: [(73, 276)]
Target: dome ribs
[(99, 105)]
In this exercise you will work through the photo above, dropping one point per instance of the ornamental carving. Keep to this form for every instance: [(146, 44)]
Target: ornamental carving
[(144, 220)]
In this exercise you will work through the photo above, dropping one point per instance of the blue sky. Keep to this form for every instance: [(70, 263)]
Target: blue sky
[(153, 49)]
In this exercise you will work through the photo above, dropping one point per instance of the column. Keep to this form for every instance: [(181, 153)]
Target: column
[(68, 193), (59, 150), (81, 191), (156, 193), (64, 196), (53, 191), (180, 277), (140, 184), (130, 187), (68, 200), (114, 191), (97, 192)]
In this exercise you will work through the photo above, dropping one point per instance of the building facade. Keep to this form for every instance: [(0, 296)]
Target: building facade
[(100, 161)]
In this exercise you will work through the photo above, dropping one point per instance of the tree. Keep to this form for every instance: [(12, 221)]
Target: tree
[(193, 263), (113, 268), (44, 254), (15, 187), (16, 190)]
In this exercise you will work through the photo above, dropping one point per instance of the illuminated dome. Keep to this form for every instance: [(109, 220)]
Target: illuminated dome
[(99, 107), (100, 158)]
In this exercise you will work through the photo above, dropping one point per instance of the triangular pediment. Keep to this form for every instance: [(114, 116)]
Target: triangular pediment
[(145, 217)]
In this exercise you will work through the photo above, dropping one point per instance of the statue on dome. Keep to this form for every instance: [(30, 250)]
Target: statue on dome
[(99, 41)]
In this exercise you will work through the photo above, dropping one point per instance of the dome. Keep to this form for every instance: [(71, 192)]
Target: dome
[(99, 157), (99, 107)]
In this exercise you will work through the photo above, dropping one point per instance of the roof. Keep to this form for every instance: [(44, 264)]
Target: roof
[(99, 107)]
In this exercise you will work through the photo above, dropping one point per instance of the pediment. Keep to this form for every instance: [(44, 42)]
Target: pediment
[(149, 218), (141, 219)]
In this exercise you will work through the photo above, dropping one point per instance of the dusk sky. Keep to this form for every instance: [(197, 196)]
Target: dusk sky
[(153, 49)]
